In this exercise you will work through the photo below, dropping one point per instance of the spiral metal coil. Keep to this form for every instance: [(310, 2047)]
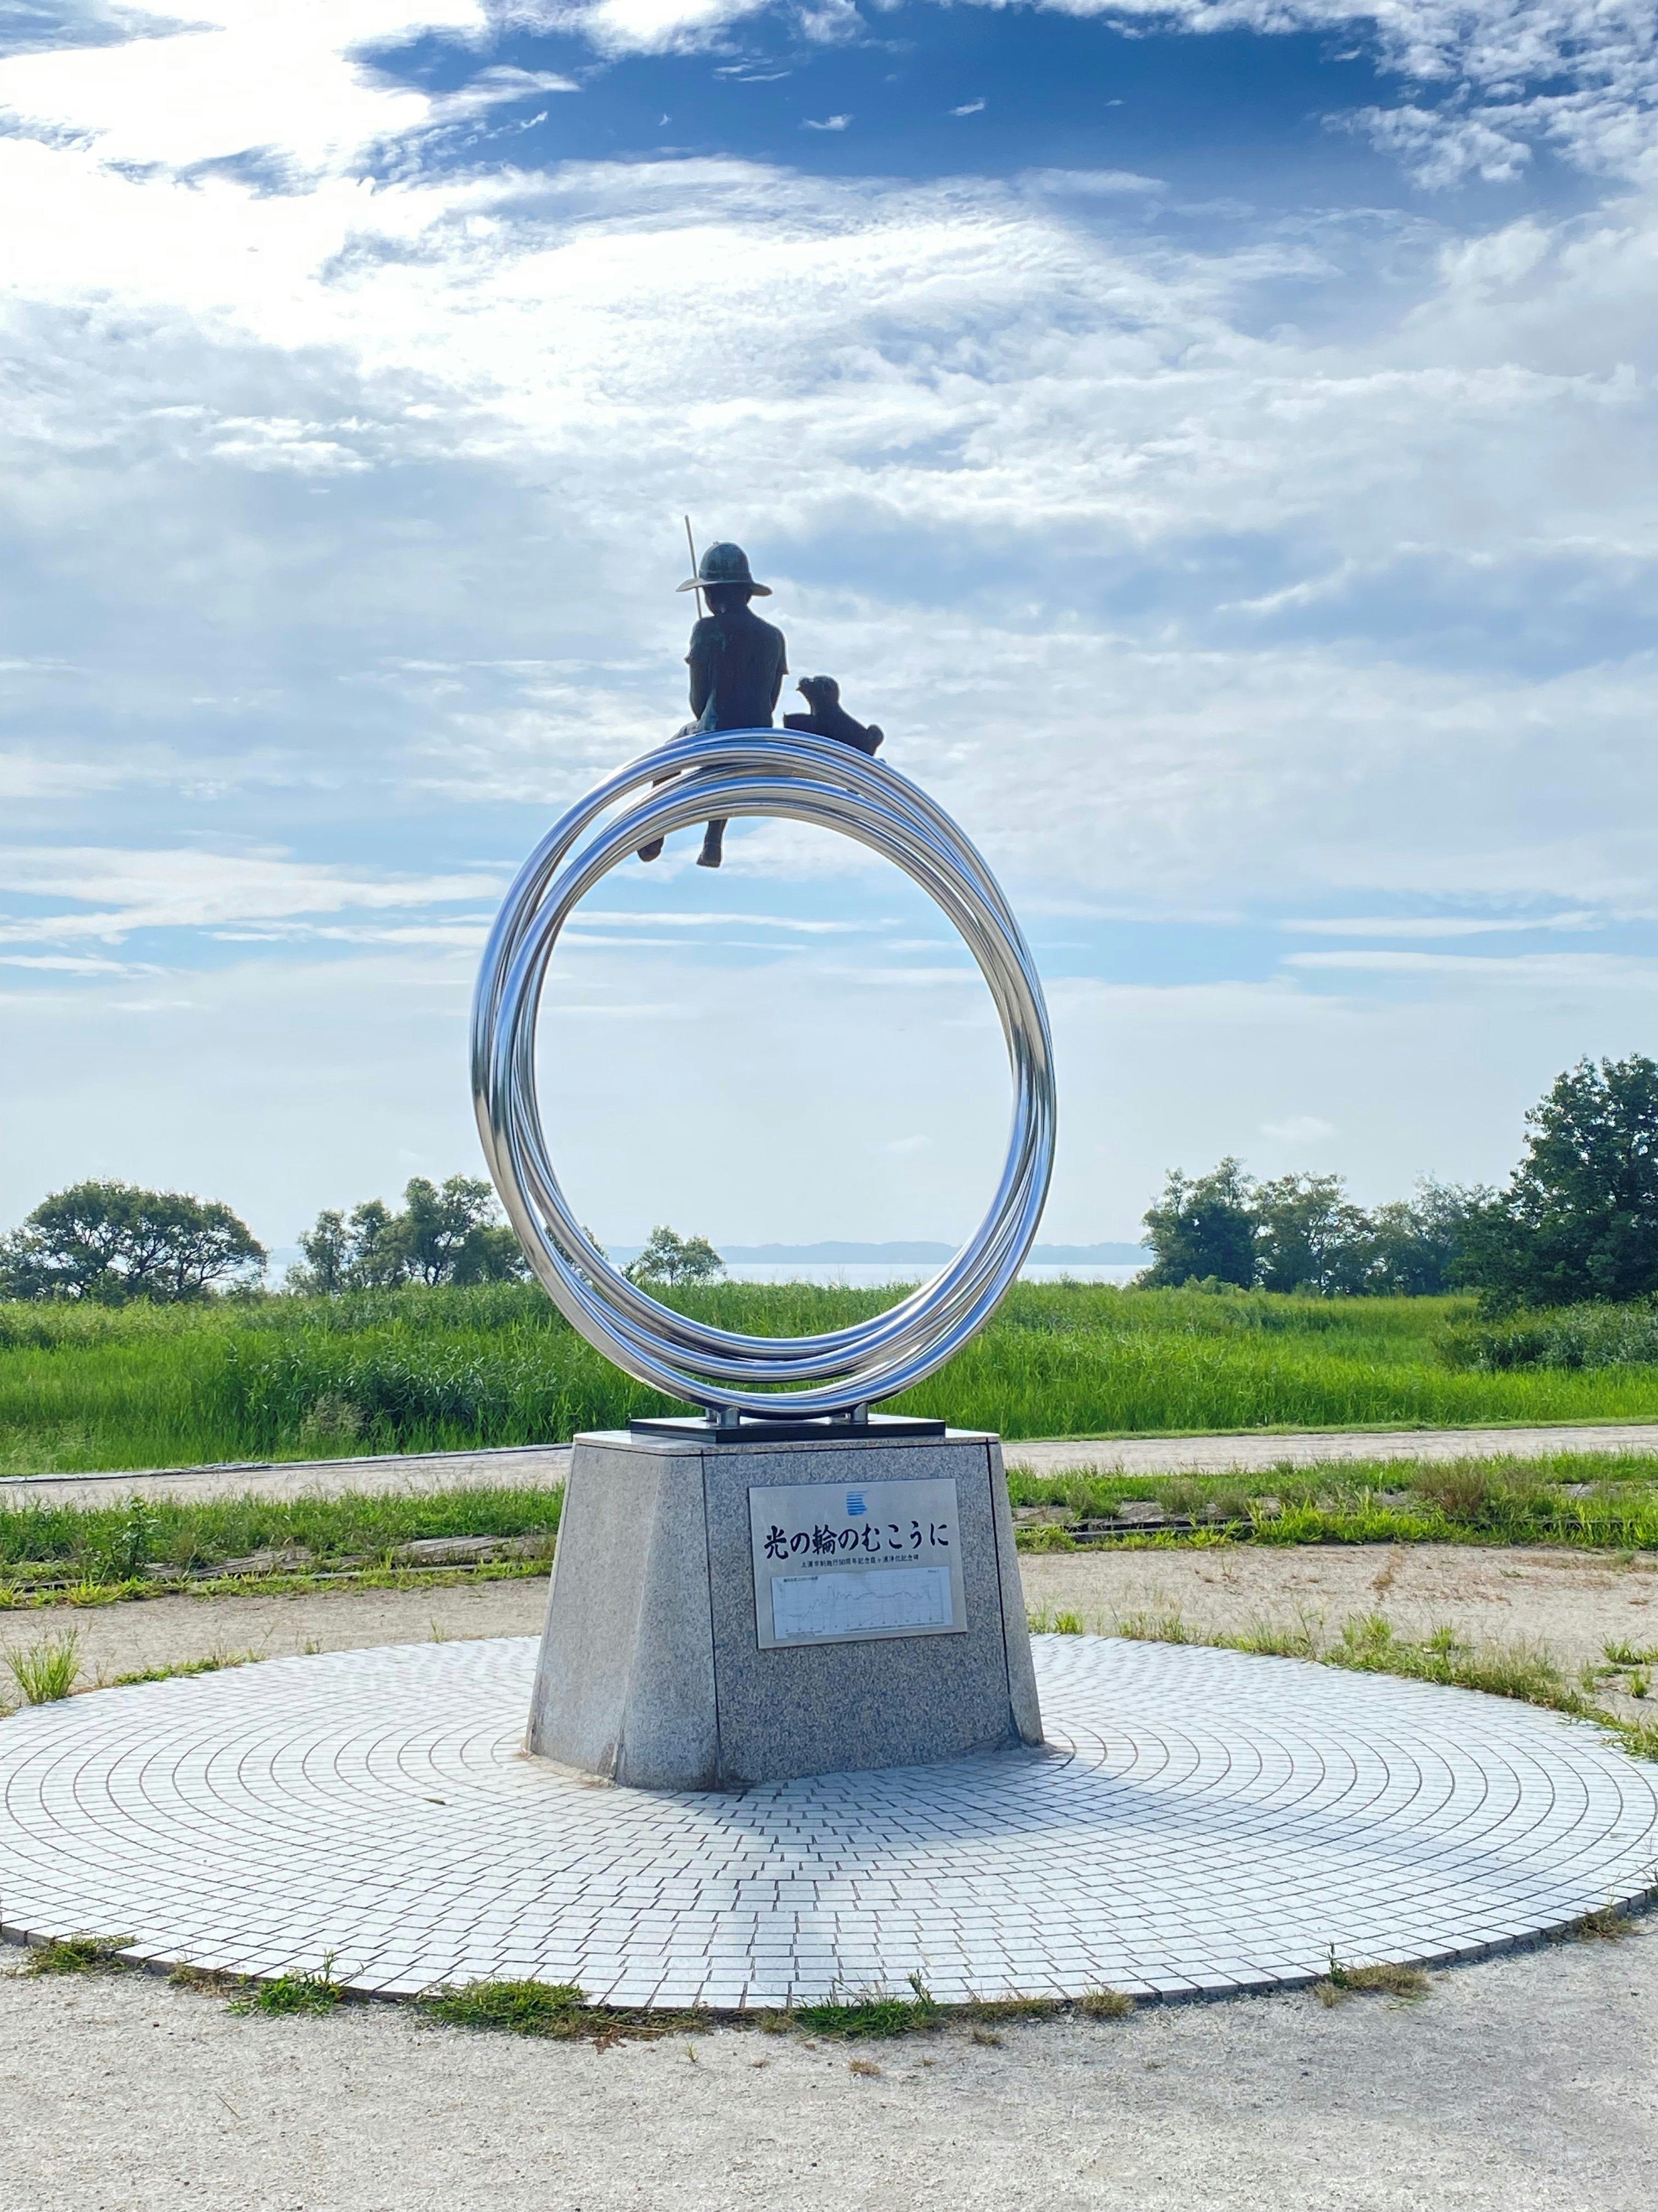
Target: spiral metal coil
[(806, 779)]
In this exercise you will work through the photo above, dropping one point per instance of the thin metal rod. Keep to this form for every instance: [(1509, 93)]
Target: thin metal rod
[(691, 542)]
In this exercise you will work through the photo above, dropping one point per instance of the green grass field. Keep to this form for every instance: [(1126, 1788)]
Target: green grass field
[(413, 1371)]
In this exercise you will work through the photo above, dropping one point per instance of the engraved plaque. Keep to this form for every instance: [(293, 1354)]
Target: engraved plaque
[(836, 1563)]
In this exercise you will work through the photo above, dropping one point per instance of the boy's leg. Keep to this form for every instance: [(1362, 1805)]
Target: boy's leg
[(653, 850), (713, 845)]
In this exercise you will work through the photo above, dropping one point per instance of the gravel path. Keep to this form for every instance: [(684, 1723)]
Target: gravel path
[(549, 1464), (1524, 2085), (1260, 1453), (536, 1466)]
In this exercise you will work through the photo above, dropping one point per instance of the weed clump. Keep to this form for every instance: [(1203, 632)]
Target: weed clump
[(560, 2012), (292, 1992), (76, 1955), (525, 2008), (1606, 1925), (178, 1669), (1003, 2008), (873, 2014), (1408, 1984), (185, 1976), (48, 1670), (1106, 2004)]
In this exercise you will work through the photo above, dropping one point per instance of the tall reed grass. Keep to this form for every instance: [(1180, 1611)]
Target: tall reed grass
[(414, 1369)]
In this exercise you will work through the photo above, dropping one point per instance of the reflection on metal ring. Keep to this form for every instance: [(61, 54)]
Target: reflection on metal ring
[(806, 779)]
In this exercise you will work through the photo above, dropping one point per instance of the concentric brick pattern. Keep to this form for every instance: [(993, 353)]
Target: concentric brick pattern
[(1201, 1822)]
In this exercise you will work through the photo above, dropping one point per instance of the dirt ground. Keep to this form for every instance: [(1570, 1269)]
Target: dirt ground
[(1524, 2085), (1521, 2085), (1573, 1602), (165, 1631)]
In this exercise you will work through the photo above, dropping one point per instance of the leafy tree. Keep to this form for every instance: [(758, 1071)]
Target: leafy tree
[(1202, 1228), (450, 1233), (378, 1258), (1309, 1235), (1579, 1217), (328, 1252), (1418, 1247), (670, 1259), (109, 1242), (360, 1253)]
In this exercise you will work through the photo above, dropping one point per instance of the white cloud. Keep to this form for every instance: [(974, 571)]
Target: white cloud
[(622, 26), (120, 890), (1581, 973), (65, 963), (1438, 925), (1298, 1129), (1579, 76), (238, 78), (1312, 565)]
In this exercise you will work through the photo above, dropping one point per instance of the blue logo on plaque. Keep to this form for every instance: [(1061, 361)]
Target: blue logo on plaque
[(855, 1504)]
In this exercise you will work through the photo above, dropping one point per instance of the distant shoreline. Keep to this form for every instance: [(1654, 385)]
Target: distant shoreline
[(832, 1254)]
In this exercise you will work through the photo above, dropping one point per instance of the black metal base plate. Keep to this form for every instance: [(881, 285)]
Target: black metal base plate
[(876, 1429)]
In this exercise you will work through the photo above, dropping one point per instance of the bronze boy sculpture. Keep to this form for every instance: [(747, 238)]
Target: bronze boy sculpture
[(738, 664)]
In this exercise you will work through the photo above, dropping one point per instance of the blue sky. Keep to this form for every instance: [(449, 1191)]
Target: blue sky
[(1216, 441)]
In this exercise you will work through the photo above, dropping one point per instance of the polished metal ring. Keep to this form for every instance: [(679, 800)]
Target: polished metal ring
[(696, 779)]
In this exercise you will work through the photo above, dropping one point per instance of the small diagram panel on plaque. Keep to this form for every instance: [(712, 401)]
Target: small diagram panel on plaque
[(838, 1564)]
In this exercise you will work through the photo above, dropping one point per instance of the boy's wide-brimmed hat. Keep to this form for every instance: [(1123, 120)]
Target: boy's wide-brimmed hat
[(724, 564)]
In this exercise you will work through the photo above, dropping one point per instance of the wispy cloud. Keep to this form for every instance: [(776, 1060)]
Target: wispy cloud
[(1576, 971), (1439, 925), (119, 891), (1298, 1129)]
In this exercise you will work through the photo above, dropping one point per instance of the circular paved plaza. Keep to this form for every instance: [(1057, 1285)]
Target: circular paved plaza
[(1201, 1822)]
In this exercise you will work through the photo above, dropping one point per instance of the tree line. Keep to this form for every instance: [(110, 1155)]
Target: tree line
[(111, 1243), (1578, 1221)]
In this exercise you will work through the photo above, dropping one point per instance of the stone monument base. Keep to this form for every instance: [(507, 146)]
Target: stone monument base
[(732, 1613)]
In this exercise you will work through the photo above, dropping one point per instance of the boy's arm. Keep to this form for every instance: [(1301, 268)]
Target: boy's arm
[(700, 660)]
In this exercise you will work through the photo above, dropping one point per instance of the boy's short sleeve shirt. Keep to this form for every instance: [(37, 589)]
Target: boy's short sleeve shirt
[(743, 661)]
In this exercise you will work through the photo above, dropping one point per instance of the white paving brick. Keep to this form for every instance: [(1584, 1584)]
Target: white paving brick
[(1201, 1821)]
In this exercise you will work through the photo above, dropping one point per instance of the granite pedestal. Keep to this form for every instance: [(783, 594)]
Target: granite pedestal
[(727, 1613)]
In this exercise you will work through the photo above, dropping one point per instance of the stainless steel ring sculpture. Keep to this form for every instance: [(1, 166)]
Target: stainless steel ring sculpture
[(733, 773)]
